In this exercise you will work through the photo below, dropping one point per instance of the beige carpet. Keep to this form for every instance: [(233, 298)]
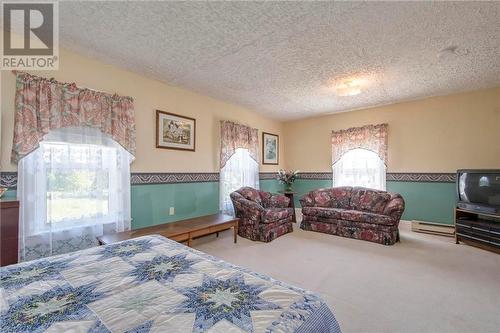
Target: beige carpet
[(423, 284)]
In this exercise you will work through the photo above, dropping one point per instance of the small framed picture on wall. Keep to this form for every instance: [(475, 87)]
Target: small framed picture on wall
[(174, 131), (270, 148)]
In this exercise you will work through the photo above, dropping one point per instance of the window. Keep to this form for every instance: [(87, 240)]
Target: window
[(73, 188), (360, 167), (79, 182), (240, 170)]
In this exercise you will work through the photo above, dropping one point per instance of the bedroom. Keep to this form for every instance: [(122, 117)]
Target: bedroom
[(430, 71)]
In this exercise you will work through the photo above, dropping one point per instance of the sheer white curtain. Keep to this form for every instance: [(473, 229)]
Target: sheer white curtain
[(360, 167), (240, 170), (73, 188)]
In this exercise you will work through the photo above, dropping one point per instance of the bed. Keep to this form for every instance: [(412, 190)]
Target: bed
[(152, 284)]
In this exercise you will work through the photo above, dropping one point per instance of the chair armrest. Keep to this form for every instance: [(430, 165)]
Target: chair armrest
[(248, 204), (395, 207), (274, 200), (249, 211)]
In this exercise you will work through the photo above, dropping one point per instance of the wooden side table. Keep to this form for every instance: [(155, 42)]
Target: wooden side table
[(289, 195)]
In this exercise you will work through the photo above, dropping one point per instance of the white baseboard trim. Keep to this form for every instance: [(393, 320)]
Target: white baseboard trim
[(433, 228)]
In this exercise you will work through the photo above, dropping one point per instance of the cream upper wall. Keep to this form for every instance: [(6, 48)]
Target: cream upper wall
[(148, 95), (437, 134), (440, 134)]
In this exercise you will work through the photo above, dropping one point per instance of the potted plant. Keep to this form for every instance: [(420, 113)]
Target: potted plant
[(287, 178)]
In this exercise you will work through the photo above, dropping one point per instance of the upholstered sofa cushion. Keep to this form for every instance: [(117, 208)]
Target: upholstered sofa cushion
[(331, 214), (369, 200), (322, 198), (338, 197), (367, 217), (341, 197), (271, 215), (328, 213)]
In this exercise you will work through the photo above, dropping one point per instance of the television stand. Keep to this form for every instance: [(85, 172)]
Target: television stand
[(476, 229)]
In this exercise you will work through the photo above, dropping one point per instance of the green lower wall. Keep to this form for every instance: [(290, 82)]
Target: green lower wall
[(302, 186), (432, 202), (9, 194), (151, 203), (270, 185)]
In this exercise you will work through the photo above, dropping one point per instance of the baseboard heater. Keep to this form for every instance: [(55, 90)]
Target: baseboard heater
[(433, 228)]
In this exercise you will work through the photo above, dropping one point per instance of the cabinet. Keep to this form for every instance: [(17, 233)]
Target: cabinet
[(480, 230), (9, 231)]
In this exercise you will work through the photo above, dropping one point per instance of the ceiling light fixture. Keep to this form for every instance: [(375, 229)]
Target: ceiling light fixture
[(452, 52), (348, 88)]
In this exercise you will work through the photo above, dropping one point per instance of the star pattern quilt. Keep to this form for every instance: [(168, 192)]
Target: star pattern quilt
[(152, 284)]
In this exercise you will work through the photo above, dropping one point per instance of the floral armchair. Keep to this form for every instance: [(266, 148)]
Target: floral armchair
[(263, 216)]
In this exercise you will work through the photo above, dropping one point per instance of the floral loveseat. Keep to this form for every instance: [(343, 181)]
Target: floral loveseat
[(354, 212), (263, 216)]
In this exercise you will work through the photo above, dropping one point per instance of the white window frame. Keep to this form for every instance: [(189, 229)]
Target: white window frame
[(240, 170), (360, 167), (33, 178)]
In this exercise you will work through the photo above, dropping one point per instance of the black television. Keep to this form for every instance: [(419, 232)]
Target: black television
[(479, 191)]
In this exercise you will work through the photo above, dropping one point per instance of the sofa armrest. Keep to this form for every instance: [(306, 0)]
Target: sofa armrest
[(307, 200), (395, 207), (274, 200)]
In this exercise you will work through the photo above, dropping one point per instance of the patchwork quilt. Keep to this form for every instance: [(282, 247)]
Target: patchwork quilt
[(152, 284)]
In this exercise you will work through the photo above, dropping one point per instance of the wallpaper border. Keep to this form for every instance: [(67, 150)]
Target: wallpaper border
[(9, 179), (149, 178), (418, 177), (421, 177), (267, 175)]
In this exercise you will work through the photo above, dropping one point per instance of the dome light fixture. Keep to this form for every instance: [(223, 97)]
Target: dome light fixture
[(348, 88), (452, 52)]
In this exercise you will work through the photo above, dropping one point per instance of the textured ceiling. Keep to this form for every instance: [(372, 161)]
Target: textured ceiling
[(283, 59)]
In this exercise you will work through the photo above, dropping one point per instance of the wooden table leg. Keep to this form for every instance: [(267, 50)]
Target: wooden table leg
[(216, 234), (235, 231), (292, 205), (190, 239)]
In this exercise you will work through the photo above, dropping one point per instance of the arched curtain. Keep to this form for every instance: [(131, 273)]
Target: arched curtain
[(234, 136), (239, 161), (359, 156), (44, 104), (73, 147)]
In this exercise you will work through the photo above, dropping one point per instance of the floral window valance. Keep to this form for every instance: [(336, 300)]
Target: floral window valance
[(234, 136), (44, 104), (370, 137)]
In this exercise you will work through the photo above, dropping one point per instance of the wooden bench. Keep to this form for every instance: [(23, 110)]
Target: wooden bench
[(180, 231)]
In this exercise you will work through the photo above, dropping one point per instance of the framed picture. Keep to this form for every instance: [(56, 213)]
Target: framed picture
[(270, 148), (174, 131)]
